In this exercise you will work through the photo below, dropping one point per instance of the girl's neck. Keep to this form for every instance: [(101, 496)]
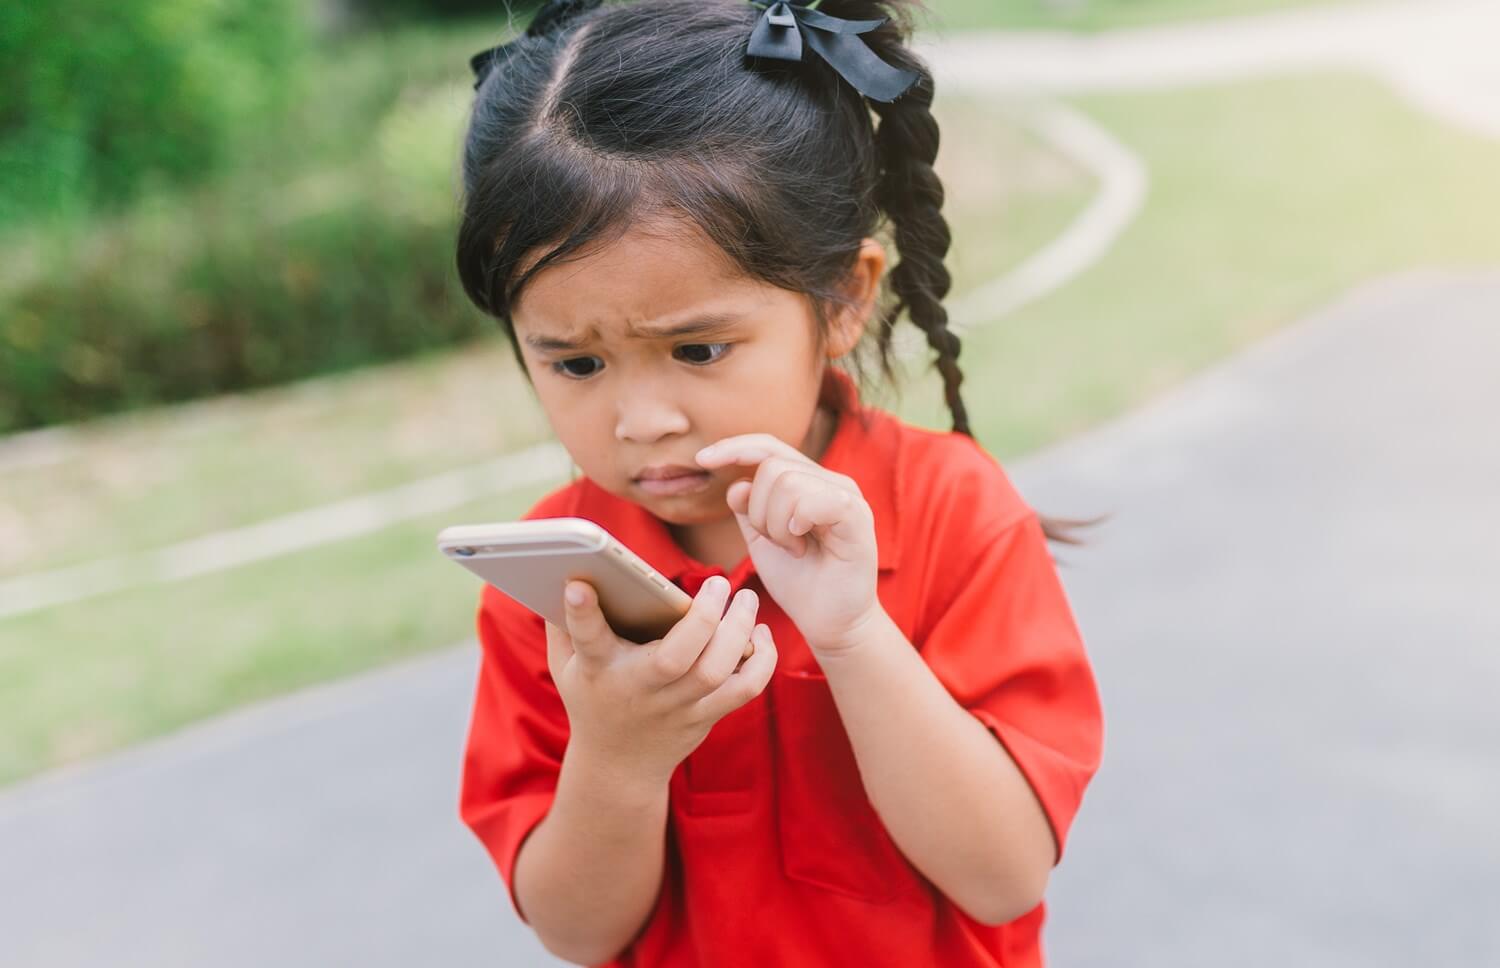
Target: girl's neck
[(719, 542)]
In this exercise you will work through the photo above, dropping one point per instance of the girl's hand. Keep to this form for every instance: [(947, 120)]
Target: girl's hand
[(811, 535), (644, 708)]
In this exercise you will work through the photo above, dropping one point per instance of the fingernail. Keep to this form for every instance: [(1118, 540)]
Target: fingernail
[(717, 586), (705, 453), (574, 595)]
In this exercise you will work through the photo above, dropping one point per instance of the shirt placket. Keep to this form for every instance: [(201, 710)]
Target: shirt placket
[(732, 764)]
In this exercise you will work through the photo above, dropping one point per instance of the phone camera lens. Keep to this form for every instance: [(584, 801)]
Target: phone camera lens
[(464, 552)]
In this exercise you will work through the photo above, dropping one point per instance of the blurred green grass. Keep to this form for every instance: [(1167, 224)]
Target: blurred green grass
[(78, 680)]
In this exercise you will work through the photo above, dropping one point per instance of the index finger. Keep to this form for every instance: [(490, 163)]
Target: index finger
[(748, 449), (679, 649)]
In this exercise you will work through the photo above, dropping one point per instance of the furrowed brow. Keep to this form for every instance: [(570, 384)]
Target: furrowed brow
[(551, 344), (703, 325), (712, 323)]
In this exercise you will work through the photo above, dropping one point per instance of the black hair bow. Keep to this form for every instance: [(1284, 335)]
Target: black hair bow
[(780, 31)]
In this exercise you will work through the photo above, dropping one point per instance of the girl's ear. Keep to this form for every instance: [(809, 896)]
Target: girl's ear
[(863, 287)]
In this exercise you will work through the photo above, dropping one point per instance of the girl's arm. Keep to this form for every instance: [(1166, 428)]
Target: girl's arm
[(589, 874), (946, 789)]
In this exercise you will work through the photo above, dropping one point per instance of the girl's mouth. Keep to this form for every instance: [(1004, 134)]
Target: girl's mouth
[(671, 487)]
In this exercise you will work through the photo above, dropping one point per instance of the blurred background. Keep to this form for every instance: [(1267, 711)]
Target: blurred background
[(241, 391)]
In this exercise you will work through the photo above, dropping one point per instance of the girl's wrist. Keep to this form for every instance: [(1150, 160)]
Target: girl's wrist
[(623, 781), (859, 633)]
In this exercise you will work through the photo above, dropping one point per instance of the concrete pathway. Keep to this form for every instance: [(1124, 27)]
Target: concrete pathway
[(1441, 54), (1294, 619)]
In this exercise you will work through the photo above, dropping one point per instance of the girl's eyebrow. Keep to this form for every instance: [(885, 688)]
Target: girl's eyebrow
[(693, 327), (711, 323)]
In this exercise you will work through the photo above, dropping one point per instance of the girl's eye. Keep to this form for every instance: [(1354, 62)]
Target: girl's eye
[(701, 353), (579, 367)]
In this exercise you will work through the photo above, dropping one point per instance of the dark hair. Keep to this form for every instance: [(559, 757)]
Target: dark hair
[(602, 115)]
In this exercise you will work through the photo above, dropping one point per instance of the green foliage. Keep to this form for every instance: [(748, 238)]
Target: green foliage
[(327, 245), (391, 11), (262, 294), (100, 100), (259, 281)]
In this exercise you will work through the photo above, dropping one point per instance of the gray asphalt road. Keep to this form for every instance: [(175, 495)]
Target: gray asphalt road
[(1295, 617), (317, 830)]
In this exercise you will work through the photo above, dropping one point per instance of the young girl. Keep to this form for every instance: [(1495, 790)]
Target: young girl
[(671, 207)]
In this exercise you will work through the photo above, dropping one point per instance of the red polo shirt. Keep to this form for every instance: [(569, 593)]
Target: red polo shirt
[(775, 856)]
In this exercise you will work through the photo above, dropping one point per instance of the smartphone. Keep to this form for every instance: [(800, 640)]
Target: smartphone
[(532, 561)]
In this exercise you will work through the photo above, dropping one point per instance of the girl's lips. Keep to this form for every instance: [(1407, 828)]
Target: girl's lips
[(683, 484), (660, 471)]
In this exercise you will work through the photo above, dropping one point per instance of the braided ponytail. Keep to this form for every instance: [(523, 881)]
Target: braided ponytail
[(911, 195)]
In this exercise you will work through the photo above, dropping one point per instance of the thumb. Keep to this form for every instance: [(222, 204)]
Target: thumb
[(591, 635), (738, 499)]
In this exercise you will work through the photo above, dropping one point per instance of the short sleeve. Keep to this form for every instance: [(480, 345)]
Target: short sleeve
[(1004, 642), (517, 733)]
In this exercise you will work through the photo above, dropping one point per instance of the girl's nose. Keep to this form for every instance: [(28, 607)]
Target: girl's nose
[(642, 418)]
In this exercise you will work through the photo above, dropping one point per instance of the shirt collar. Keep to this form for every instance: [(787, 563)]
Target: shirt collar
[(866, 446)]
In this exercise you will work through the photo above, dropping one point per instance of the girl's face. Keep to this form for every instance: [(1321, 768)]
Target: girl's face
[(648, 349)]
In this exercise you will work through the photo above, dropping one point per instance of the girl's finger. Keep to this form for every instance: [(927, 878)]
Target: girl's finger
[(589, 633), (738, 496), (746, 531), (788, 491), (725, 649), (748, 449), (830, 507), (766, 476), (675, 654), (745, 683)]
